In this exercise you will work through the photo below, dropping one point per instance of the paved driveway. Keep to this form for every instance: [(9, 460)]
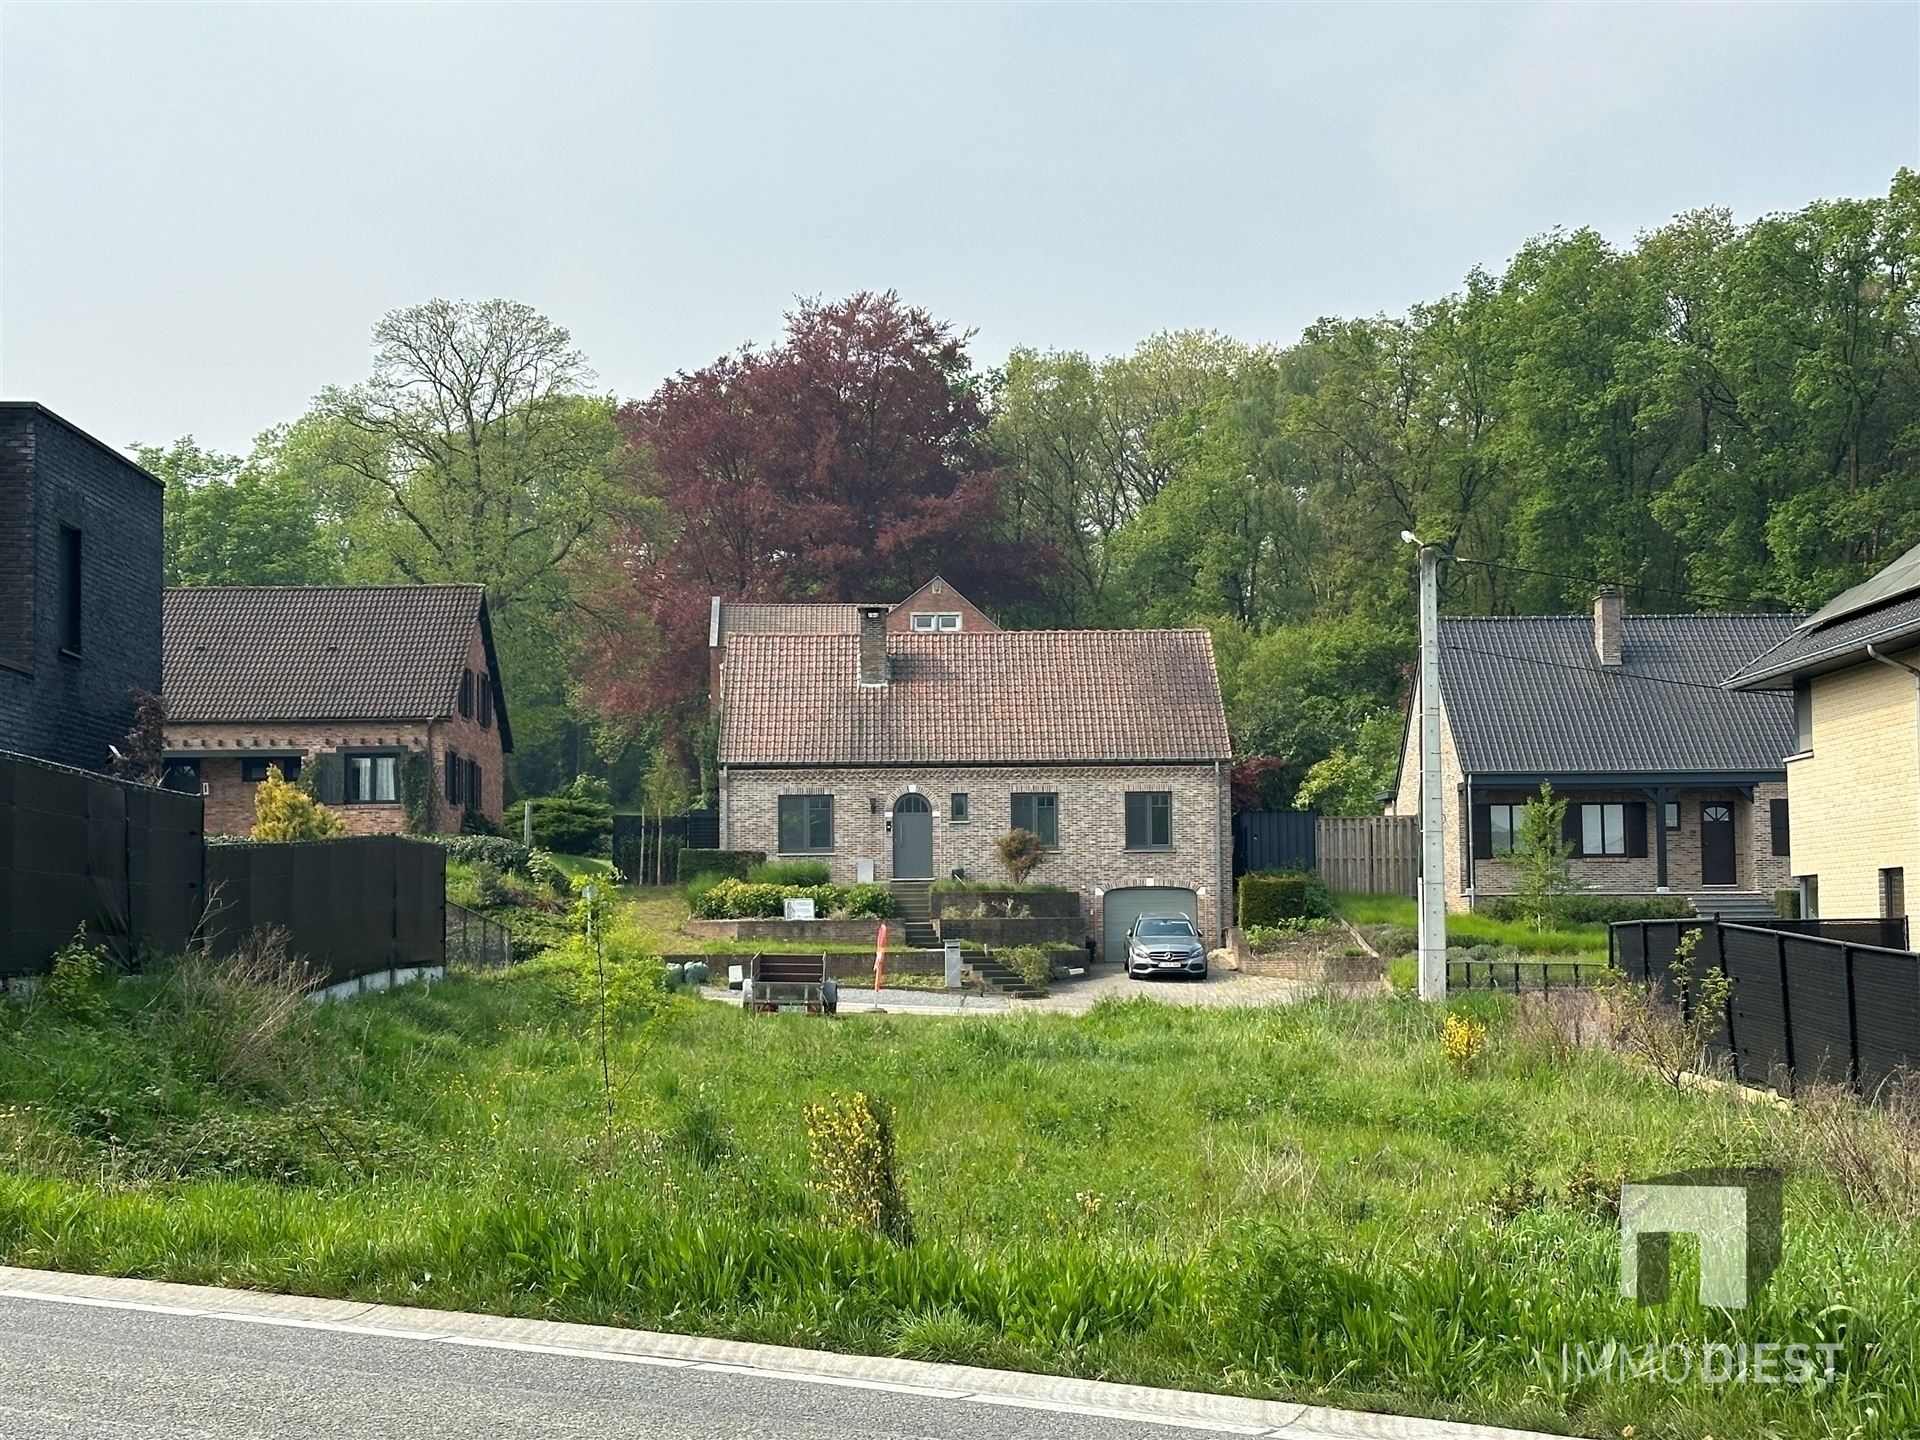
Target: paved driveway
[(1221, 987)]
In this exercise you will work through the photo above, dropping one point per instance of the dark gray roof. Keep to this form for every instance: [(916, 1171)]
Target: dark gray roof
[(245, 653), (1838, 641), (1526, 696)]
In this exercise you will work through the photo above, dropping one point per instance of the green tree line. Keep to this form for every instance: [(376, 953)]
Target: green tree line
[(1716, 415)]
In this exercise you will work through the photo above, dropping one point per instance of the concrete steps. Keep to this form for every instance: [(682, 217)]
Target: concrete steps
[(913, 905), (1734, 906), (1000, 978)]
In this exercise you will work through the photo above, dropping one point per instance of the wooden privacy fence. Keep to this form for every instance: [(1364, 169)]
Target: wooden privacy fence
[(1803, 1007), (1375, 854)]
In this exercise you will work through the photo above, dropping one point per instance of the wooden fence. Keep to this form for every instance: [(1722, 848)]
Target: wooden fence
[(1376, 854)]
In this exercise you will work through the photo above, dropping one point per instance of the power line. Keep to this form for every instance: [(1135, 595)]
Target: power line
[(1616, 584), (1604, 673)]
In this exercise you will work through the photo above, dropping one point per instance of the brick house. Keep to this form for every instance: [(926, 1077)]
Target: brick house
[(81, 570), (385, 696), (901, 753), (1672, 783), (1852, 669)]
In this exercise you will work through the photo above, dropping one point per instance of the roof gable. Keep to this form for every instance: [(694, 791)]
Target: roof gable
[(1526, 695), (977, 698), (375, 652)]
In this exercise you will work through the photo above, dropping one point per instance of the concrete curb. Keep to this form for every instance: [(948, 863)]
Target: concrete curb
[(1222, 1414)]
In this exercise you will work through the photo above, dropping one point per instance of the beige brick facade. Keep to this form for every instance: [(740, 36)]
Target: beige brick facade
[(1756, 867), (1092, 856), (1855, 792)]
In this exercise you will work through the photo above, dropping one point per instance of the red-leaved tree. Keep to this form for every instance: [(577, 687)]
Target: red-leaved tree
[(847, 462)]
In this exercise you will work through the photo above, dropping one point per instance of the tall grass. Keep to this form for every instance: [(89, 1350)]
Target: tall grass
[(1293, 1202), (1471, 929)]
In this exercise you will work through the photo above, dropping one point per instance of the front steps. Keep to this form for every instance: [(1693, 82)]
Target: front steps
[(913, 905)]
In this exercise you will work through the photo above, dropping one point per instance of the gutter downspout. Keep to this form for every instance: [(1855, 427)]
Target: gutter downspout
[(1892, 664)]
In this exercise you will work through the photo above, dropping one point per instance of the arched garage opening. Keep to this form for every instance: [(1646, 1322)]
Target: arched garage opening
[(1122, 907)]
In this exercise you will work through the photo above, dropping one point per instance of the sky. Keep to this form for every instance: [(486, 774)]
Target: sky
[(204, 209)]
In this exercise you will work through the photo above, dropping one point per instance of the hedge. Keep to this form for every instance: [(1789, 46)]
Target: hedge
[(734, 899), (1590, 909), (731, 864), (567, 823), (1268, 899)]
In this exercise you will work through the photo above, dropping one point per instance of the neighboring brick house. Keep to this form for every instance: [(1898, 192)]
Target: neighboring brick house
[(902, 755), (81, 570), (1852, 669), (379, 691), (1672, 784)]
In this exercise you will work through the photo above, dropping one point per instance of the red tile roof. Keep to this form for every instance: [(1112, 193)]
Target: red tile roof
[(752, 617), (992, 697)]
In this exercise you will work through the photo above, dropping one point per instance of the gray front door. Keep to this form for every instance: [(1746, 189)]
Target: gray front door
[(912, 838)]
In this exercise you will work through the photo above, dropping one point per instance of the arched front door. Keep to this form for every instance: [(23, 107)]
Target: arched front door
[(912, 838)]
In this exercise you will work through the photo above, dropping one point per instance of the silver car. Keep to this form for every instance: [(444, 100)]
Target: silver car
[(1165, 945)]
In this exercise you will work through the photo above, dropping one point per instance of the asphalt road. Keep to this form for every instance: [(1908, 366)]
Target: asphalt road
[(83, 1358)]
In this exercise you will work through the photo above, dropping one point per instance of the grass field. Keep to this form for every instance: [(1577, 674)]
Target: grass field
[(1476, 929), (1306, 1202)]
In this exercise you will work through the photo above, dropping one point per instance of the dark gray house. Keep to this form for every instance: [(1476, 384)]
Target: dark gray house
[(1672, 784), (81, 573)]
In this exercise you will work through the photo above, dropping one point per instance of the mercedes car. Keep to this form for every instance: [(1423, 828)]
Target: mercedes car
[(1165, 945)]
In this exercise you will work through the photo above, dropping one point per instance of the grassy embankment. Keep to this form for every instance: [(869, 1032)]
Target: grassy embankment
[(1307, 1201)]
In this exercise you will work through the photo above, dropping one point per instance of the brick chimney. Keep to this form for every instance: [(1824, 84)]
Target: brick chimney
[(1609, 626), (873, 644)]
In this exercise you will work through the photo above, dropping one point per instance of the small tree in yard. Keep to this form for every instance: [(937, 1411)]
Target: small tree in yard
[(1021, 852), (667, 790), (141, 755), (1541, 857), (283, 811)]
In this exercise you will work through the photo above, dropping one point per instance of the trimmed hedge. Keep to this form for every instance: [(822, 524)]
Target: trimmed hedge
[(1590, 909), (732, 899), (729, 864), (495, 850), (1268, 899)]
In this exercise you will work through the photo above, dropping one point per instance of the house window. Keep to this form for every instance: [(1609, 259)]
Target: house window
[(476, 794), (806, 824), (69, 590), (1038, 811), (1777, 826), (183, 777), (1809, 897), (455, 777), (1893, 893), (1149, 819), (254, 771), (466, 692), (372, 779), (1672, 814), (486, 700), (1603, 829), (932, 620), (1802, 716), (957, 808), (1504, 828)]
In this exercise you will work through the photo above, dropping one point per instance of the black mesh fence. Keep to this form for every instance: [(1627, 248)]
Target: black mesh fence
[(80, 849), (1804, 1007)]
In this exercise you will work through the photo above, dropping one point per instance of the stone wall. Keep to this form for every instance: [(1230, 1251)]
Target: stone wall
[(68, 708), (1092, 856)]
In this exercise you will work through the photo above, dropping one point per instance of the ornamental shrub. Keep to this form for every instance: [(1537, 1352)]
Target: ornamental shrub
[(868, 902), (501, 853), (572, 824), (1021, 852), (1268, 899), (283, 811)]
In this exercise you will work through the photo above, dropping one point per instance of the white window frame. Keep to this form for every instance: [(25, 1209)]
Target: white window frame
[(928, 621)]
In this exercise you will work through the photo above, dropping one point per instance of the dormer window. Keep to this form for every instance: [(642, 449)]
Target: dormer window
[(932, 620)]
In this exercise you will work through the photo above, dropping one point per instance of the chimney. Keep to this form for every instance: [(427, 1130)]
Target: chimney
[(873, 644), (1609, 626)]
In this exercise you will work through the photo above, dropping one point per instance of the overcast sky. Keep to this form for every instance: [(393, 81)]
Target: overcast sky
[(203, 209)]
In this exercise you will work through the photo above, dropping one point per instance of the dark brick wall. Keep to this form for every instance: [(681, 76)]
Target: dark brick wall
[(60, 707)]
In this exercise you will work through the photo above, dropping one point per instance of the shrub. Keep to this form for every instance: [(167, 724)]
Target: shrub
[(789, 872), (77, 985), (286, 812), (1589, 909), (1786, 904), (501, 853), (868, 902), (1032, 963), (732, 864), (1269, 898), (1258, 935), (572, 824), (543, 869), (1396, 940), (1021, 853), (489, 887), (851, 1144), (1461, 1040)]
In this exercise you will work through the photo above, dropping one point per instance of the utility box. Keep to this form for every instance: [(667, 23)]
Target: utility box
[(953, 966), (863, 871)]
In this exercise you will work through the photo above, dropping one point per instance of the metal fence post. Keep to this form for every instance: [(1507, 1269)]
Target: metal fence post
[(1786, 1006), (1853, 1024)]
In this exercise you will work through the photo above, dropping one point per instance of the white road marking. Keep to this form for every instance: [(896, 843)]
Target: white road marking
[(847, 1382)]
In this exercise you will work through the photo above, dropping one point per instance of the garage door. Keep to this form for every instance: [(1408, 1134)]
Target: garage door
[(1123, 907)]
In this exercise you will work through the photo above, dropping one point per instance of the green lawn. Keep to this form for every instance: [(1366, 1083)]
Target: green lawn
[(595, 866), (1305, 1202), (1470, 929)]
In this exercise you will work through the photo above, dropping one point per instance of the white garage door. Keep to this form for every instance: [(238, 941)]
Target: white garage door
[(1122, 907)]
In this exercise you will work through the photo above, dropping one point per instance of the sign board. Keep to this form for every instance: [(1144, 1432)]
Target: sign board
[(801, 909)]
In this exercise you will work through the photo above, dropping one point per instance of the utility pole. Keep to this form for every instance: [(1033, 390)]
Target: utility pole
[(1433, 847)]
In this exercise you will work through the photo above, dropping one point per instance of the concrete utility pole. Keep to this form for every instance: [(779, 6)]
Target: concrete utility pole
[(1433, 848)]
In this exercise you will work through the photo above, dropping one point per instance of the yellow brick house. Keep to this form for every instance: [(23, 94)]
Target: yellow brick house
[(1853, 779)]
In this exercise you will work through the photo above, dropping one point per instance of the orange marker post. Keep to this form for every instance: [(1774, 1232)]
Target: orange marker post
[(880, 960)]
